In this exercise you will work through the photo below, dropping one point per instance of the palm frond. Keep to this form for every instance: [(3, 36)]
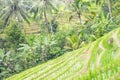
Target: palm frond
[(14, 9), (53, 6), (24, 15)]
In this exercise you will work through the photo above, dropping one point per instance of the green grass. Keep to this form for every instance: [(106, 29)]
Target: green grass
[(96, 61)]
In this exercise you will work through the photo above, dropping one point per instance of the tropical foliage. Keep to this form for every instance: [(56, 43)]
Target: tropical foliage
[(15, 9), (35, 31), (98, 60)]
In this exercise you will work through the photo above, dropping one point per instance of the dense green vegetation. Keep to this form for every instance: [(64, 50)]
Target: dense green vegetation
[(81, 36), (98, 60)]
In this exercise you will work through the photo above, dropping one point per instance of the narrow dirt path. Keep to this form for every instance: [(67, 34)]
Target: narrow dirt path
[(81, 57), (89, 52), (87, 55), (99, 58), (116, 39)]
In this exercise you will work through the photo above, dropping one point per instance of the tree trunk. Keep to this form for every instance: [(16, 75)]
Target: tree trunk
[(43, 54), (46, 20), (109, 7), (79, 16)]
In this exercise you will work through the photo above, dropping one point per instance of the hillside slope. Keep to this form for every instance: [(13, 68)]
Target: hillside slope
[(97, 61)]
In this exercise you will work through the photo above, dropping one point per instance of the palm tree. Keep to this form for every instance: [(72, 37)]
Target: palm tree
[(14, 9), (73, 42), (43, 8), (78, 6)]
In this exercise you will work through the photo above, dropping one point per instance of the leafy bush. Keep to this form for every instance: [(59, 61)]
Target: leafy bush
[(9, 63), (14, 36)]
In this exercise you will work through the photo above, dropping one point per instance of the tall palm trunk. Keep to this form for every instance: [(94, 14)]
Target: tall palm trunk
[(46, 19), (45, 16), (110, 9)]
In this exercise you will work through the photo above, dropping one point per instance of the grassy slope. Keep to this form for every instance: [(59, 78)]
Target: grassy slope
[(97, 61)]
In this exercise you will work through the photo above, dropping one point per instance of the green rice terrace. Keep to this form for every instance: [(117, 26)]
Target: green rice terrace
[(99, 60), (59, 39)]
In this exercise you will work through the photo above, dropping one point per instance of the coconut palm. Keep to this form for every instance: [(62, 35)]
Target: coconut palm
[(42, 8), (14, 9)]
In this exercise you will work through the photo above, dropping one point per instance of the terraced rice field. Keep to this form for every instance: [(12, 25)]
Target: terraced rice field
[(31, 29), (99, 60)]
